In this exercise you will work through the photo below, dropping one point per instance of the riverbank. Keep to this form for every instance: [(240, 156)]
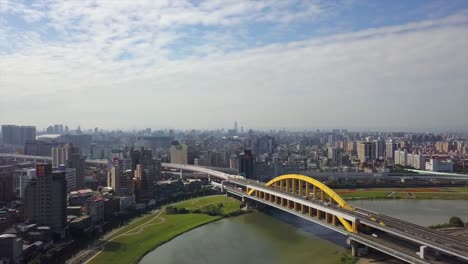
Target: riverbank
[(444, 193), (131, 243)]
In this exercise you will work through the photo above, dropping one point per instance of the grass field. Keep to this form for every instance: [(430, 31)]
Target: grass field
[(149, 232), (449, 193), (229, 204)]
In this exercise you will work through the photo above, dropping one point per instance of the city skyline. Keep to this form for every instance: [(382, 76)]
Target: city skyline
[(290, 64)]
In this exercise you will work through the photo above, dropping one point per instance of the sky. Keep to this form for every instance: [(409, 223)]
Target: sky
[(293, 64)]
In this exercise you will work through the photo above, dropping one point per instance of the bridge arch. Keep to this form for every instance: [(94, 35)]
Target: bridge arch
[(293, 183), (324, 188)]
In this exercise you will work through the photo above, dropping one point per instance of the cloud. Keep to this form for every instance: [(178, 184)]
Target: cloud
[(180, 64)]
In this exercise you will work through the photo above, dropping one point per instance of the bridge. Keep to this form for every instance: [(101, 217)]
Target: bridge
[(310, 199), (47, 159)]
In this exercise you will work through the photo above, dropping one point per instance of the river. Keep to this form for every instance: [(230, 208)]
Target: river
[(276, 237)]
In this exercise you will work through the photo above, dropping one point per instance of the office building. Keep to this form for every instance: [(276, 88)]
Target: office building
[(335, 156), (439, 165), (11, 249), (246, 164), (82, 141), (142, 187), (442, 146), (121, 181), (18, 135), (71, 157), (380, 148), (6, 187), (390, 148), (70, 176), (94, 207), (366, 151), (182, 154), (233, 162), (40, 148), (264, 144), (45, 198), (24, 180)]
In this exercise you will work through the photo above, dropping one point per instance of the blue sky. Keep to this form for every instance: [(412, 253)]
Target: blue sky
[(203, 64)]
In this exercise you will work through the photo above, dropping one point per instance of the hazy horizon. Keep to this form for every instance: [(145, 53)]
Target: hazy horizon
[(388, 66)]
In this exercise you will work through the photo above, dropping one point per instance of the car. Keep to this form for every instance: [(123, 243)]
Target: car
[(374, 235)]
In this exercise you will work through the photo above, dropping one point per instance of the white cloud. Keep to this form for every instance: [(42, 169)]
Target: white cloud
[(113, 66)]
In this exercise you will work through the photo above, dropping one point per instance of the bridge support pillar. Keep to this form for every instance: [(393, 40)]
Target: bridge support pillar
[(354, 248), (422, 251), (300, 187), (307, 190)]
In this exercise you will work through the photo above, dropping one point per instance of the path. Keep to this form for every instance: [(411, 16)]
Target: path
[(87, 255)]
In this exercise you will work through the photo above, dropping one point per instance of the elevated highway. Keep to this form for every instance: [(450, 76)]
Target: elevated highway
[(310, 199)]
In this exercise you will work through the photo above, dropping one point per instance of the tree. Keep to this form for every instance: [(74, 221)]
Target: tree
[(456, 221)]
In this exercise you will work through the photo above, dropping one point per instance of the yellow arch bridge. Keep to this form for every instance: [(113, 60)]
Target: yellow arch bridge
[(309, 189)]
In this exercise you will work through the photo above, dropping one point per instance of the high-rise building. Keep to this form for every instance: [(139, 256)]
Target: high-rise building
[(70, 176), (335, 156), (265, 144), (121, 181), (380, 148), (233, 162), (366, 151), (40, 148), (182, 154), (390, 149), (6, 187), (246, 164), (439, 165), (18, 135), (71, 157), (11, 249), (142, 187), (442, 146), (45, 198), (147, 171), (401, 157), (83, 141), (24, 180)]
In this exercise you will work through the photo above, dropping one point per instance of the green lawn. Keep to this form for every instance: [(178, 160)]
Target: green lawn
[(229, 204), (449, 193), (129, 248), (133, 224)]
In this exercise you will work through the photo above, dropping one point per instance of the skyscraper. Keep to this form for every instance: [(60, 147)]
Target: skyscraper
[(366, 151), (390, 149), (182, 154), (246, 163), (6, 187), (18, 135), (45, 198), (70, 156), (121, 181)]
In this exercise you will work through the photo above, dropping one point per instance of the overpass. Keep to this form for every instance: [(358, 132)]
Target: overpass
[(46, 159), (310, 199)]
